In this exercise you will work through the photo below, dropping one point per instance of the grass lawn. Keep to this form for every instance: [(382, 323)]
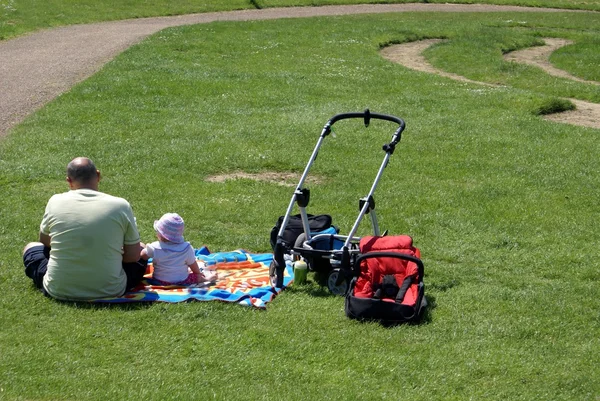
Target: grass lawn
[(18, 17), (502, 204)]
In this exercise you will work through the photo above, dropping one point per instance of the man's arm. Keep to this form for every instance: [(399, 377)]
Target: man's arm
[(45, 239), (131, 253)]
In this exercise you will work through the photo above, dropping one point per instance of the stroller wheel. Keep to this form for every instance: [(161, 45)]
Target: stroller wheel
[(336, 289), (275, 274)]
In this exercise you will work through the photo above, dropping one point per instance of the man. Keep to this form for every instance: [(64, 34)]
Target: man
[(89, 243)]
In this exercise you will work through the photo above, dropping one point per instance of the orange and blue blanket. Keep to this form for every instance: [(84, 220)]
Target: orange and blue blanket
[(242, 278)]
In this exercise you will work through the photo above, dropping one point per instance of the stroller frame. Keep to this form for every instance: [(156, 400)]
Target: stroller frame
[(343, 258)]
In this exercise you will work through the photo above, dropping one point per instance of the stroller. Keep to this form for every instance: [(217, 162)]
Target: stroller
[(314, 238)]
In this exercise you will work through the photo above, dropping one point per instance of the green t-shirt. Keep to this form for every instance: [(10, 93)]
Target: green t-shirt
[(88, 230)]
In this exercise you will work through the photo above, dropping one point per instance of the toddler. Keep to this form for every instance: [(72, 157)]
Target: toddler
[(171, 254)]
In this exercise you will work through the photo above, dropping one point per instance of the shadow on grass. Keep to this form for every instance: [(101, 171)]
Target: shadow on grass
[(126, 306), (311, 288), (315, 289), (133, 306), (96, 305), (431, 305)]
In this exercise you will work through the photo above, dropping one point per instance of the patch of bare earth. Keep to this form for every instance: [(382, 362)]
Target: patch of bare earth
[(586, 114), (285, 179)]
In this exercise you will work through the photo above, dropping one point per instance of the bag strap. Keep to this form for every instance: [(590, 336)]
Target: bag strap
[(406, 283)]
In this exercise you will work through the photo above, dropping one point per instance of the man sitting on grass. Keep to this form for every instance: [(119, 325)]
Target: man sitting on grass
[(89, 244)]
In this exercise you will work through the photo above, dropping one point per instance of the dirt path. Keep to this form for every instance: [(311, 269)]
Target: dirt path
[(410, 55), (586, 114), (538, 56), (36, 68)]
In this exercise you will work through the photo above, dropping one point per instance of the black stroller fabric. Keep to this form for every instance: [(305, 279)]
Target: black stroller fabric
[(294, 228), (388, 286)]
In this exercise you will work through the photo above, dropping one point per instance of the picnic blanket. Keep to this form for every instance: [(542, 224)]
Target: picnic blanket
[(242, 278)]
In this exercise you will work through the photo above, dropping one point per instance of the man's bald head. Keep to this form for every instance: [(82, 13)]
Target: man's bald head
[(82, 173)]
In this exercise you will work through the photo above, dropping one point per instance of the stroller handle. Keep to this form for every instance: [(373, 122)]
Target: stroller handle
[(367, 116)]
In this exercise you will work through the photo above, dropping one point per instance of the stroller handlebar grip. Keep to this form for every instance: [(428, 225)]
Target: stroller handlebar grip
[(367, 116)]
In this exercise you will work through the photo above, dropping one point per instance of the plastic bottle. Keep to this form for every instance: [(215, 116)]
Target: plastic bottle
[(300, 271)]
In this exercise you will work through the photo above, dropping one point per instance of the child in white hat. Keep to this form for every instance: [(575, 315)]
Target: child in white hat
[(171, 255)]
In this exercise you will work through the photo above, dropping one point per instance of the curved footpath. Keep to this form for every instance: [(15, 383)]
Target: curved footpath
[(586, 114), (36, 68)]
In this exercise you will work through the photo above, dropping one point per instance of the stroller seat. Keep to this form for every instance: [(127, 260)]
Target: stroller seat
[(389, 281)]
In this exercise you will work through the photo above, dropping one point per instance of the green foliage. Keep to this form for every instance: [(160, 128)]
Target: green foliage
[(554, 106), (502, 203)]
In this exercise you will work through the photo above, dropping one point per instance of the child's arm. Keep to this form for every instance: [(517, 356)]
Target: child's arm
[(196, 270), (146, 251)]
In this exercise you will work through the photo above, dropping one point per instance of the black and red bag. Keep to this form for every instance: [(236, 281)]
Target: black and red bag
[(388, 283)]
